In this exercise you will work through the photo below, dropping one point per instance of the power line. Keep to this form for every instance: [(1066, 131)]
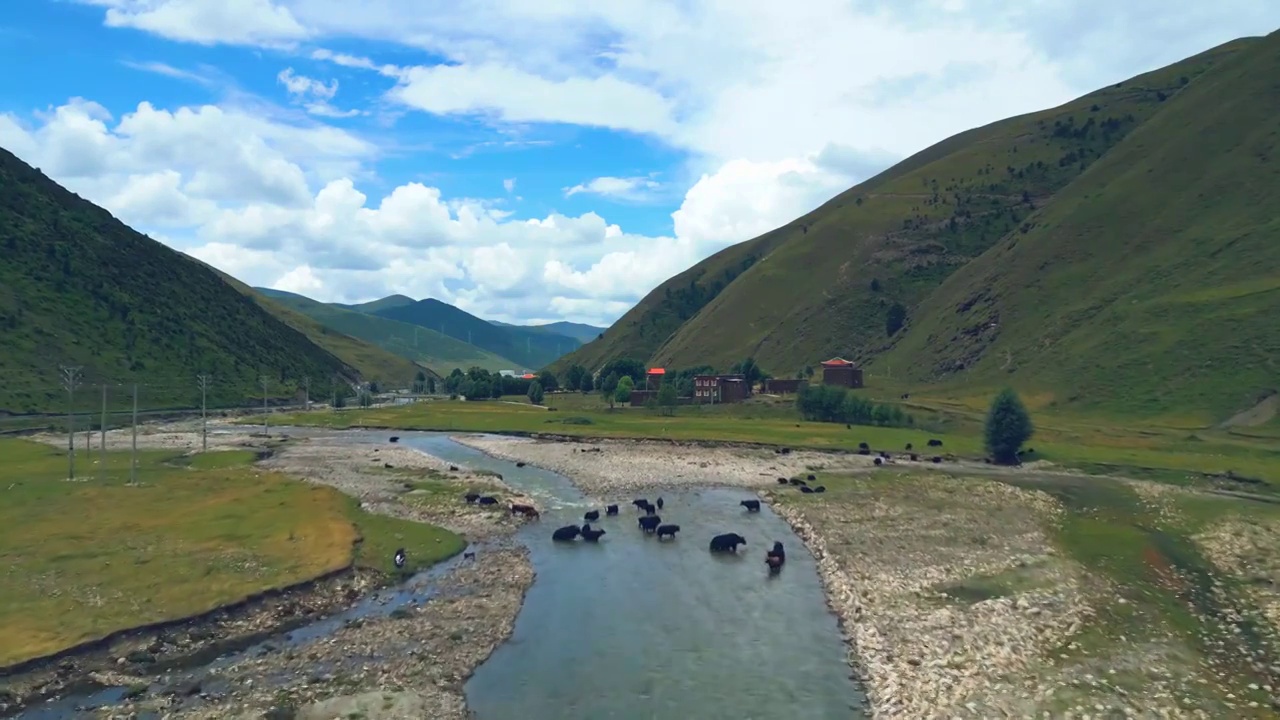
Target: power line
[(70, 377), (203, 380)]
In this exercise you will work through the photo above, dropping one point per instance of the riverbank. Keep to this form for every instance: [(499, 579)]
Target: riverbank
[(1020, 594), (607, 468), (398, 483), (411, 663)]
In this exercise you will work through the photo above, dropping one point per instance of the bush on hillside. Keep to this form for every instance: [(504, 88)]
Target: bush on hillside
[(1008, 427), (828, 403)]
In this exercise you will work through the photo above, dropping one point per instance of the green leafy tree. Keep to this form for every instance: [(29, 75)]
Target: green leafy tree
[(535, 392), (1008, 427), (585, 383), (548, 380), (573, 377), (420, 382), (497, 388), (622, 393), (610, 384), (667, 398), (749, 370), (339, 400), (431, 385)]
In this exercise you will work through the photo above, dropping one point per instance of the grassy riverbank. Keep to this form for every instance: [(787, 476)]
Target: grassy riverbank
[(82, 559), (1170, 454), (1178, 588)]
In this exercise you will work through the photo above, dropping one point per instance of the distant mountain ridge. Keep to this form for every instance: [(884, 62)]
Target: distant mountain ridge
[(531, 348), (440, 353), (578, 331)]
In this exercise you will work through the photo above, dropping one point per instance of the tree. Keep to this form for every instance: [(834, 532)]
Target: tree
[(896, 318), (750, 372), (496, 389), (610, 383), (431, 386), (419, 382), (1008, 427), (667, 398), (585, 383), (623, 392), (573, 376), (548, 380), (535, 392), (875, 285)]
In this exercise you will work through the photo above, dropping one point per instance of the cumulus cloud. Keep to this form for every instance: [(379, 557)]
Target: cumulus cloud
[(271, 204), (776, 106), (628, 188)]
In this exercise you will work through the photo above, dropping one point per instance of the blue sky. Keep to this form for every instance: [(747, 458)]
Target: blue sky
[(528, 161)]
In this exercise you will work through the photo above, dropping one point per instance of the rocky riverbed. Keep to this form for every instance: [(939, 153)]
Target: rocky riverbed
[(610, 467), (952, 597), (412, 663)]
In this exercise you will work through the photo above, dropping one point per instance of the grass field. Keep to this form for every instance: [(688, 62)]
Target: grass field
[(83, 559), (1171, 454)]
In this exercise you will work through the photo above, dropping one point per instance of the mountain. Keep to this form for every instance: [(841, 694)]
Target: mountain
[(530, 348), (373, 363), (80, 288), (440, 353), (578, 331), (373, 306), (1117, 253)]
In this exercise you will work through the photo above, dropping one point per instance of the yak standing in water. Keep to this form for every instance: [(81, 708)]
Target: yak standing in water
[(775, 558)]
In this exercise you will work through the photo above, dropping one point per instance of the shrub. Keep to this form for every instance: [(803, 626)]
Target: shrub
[(535, 392), (827, 403), (1008, 426)]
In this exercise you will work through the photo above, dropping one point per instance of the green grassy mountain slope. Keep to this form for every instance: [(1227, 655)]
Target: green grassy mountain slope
[(427, 347), (910, 227), (530, 349), (1151, 284), (581, 332), (373, 306), (373, 363), (79, 288), (826, 283)]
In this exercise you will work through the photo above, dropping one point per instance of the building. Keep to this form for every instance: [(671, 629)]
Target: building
[(528, 376), (841, 372), (720, 388), (788, 386), (640, 397), (653, 378)]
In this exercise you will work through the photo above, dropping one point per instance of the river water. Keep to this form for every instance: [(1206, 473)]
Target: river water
[(633, 628)]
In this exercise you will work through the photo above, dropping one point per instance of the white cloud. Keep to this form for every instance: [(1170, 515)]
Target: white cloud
[(303, 86), (630, 188), (262, 201), (778, 107), (232, 22), (509, 184)]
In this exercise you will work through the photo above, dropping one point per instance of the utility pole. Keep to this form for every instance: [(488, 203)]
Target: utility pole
[(71, 376), (204, 422), (266, 430), (306, 384), (104, 429), (133, 456), (334, 406)]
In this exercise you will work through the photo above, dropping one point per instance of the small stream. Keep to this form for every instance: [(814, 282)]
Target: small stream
[(627, 628)]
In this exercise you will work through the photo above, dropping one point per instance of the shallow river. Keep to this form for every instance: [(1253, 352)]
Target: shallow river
[(636, 628)]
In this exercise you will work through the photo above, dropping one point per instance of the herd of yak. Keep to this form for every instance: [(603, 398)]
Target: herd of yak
[(651, 523)]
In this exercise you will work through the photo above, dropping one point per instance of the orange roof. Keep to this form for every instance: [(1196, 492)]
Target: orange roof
[(528, 376), (836, 362), (657, 371)]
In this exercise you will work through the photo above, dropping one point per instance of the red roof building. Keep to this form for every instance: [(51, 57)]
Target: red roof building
[(654, 377), (838, 371)]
